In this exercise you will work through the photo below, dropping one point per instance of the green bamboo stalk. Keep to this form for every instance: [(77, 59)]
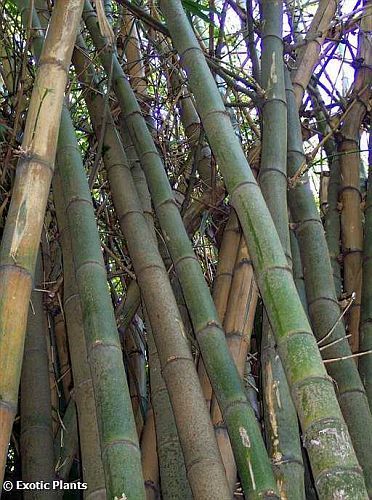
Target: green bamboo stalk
[(365, 363), (83, 386), (23, 226), (202, 459), (174, 483), (221, 287), (324, 309), (323, 427), (332, 223), (119, 443), (281, 425), (243, 430), (298, 273), (36, 413)]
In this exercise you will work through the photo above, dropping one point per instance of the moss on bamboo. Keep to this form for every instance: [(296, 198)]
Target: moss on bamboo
[(202, 459), (224, 377), (324, 309), (312, 391)]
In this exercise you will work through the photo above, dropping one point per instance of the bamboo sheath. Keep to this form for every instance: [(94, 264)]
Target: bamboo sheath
[(135, 361), (225, 379), (202, 459), (66, 442), (26, 213), (149, 454), (312, 391)]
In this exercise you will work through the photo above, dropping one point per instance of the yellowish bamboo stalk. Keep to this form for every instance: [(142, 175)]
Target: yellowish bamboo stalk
[(238, 325), (26, 213), (308, 56), (222, 283), (150, 463)]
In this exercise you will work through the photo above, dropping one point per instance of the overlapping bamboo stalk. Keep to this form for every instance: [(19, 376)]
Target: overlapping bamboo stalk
[(282, 433), (306, 375), (222, 372), (202, 458), (25, 218), (323, 306), (36, 413), (83, 387)]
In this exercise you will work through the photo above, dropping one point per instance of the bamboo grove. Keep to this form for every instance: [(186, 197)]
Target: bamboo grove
[(186, 249)]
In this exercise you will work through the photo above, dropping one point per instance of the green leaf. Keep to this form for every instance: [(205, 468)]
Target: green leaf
[(198, 10)]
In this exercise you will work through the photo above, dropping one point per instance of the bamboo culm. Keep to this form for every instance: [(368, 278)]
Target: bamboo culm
[(24, 222), (202, 458), (282, 431), (225, 379), (323, 426), (324, 310)]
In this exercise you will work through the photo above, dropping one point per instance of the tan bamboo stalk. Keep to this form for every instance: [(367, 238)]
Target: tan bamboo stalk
[(63, 354), (238, 324), (91, 462), (308, 55), (66, 441), (349, 157), (54, 391), (26, 212), (202, 459), (36, 413), (135, 67), (150, 463), (311, 389), (221, 288)]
